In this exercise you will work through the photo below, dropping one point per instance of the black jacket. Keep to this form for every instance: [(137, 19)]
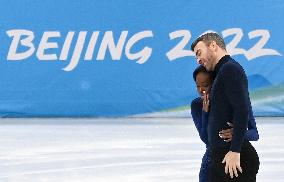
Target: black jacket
[(229, 102)]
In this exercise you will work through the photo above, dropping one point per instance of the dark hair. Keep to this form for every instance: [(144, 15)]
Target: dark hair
[(208, 38), (201, 69)]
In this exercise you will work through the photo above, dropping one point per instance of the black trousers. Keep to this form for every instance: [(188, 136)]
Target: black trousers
[(249, 165)]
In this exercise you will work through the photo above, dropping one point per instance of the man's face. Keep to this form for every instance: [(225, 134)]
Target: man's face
[(204, 55)]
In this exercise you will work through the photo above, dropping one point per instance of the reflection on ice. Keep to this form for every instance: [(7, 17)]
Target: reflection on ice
[(129, 149)]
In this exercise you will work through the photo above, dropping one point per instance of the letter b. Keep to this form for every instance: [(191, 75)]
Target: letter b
[(27, 42)]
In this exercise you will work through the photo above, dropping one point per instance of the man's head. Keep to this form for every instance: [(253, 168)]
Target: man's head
[(203, 80), (209, 48)]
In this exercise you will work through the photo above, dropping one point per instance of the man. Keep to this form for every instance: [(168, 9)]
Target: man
[(236, 160)]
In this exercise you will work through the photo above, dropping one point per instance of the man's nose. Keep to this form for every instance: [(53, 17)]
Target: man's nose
[(199, 61)]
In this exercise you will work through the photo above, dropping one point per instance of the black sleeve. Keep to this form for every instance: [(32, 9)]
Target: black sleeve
[(236, 91)]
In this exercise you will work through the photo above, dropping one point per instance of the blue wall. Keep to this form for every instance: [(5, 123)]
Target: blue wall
[(125, 57)]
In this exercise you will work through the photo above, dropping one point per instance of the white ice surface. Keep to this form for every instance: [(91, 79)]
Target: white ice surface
[(119, 150)]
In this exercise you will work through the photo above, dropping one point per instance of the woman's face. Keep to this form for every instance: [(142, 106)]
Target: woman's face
[(203, 83)]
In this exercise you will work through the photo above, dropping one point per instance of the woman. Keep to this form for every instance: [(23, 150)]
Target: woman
[(199, 112)]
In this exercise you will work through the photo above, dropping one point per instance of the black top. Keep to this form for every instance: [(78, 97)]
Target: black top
[(229, 102), (200, 119)]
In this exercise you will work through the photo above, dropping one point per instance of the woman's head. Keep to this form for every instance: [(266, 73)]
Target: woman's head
[(203, 80)]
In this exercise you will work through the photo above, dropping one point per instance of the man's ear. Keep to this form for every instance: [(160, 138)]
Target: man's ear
[(213, 45)]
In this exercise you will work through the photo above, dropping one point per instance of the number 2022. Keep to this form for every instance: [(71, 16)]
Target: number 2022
[(257, 50)]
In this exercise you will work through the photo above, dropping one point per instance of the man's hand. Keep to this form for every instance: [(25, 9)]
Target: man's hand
[(232, 160)]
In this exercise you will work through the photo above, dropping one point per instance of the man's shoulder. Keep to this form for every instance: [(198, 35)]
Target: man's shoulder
[(231, 67), (232, 64)]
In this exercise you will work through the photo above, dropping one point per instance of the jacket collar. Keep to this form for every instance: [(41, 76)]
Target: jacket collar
[(218, 66)]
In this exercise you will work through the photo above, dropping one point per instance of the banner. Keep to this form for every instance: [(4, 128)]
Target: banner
[(93, 58)]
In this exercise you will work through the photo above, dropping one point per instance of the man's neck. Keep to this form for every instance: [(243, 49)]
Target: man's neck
[(219, 56)]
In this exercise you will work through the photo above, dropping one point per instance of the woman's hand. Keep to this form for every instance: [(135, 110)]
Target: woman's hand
[(227, 134), (205, 99)]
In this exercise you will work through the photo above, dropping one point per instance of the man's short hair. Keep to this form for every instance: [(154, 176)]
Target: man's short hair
[(208, 38)]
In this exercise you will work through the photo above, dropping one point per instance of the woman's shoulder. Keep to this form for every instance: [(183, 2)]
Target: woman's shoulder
[(197, 102)]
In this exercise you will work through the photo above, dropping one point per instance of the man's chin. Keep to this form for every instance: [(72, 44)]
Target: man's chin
[(207, 69)]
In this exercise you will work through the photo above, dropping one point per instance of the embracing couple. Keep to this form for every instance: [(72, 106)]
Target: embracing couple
[(223, 114)]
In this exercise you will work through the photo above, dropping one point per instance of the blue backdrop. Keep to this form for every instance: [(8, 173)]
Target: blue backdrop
[(126, 57)]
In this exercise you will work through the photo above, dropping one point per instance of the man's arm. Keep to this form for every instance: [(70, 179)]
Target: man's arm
[(236, 91)]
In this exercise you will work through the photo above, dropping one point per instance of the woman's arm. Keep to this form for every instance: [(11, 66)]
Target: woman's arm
[(252, 132), (200, 119)]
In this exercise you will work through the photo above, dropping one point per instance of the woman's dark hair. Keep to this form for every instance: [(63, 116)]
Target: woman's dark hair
[(201, 69)]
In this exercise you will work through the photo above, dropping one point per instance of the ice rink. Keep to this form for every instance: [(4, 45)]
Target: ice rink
[(119, 150)]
